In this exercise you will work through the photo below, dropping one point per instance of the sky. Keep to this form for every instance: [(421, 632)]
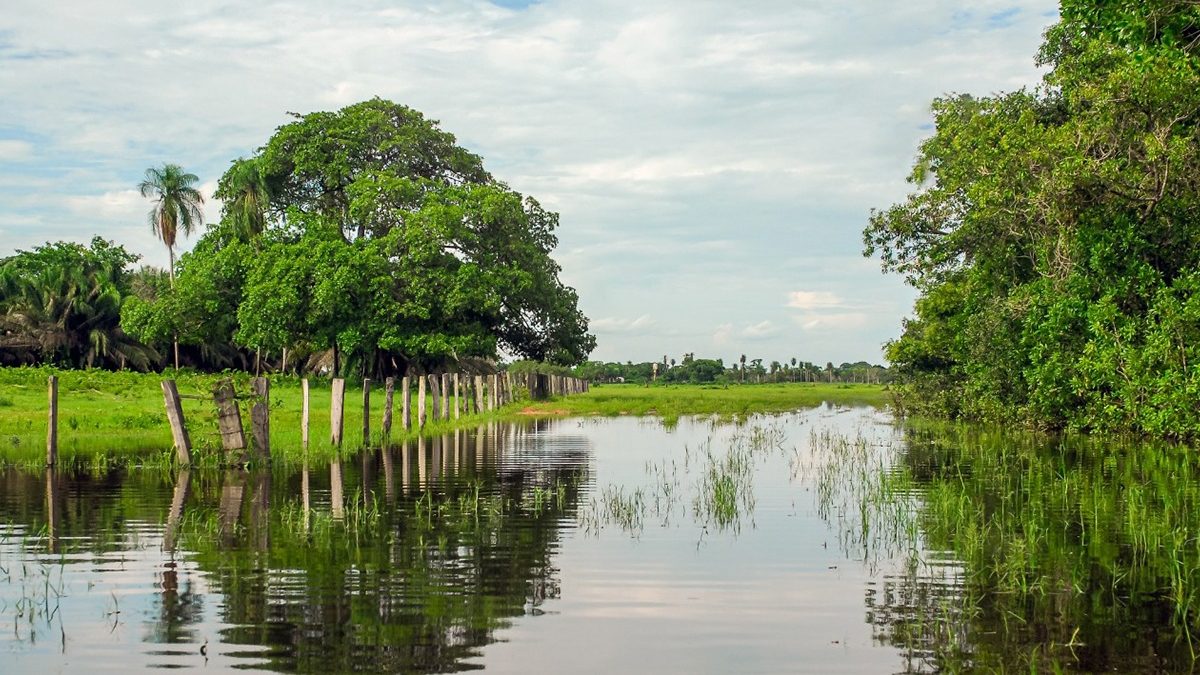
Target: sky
[(713, 163)]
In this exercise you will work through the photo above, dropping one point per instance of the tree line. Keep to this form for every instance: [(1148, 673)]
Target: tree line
[(1054, 235), (692, 370), (361, 240)]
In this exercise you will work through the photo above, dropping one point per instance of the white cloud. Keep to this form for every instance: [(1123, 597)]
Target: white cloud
[(12, 150), (760, 330), (813, 300), (114, 205), (695, 150), (721, 336), (622, 325), (832, 322)]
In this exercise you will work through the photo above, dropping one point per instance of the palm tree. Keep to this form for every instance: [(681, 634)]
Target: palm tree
[(743, 373), (177, 206), (68, 315), (246, 196)]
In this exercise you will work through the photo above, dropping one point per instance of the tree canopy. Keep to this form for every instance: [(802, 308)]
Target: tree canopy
[(61, 304), (368, 234), (1054, 237)]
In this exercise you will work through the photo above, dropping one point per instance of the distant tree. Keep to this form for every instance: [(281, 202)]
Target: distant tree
[(176, 207)]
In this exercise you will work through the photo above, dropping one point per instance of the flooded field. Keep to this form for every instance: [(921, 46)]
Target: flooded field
[(828, 540)]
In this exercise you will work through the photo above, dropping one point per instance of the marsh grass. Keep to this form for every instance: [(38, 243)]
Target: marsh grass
[(725, 403), (720, 475), (1071, 544)]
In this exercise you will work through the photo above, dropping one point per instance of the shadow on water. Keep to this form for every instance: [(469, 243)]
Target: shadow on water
[(399, 560)]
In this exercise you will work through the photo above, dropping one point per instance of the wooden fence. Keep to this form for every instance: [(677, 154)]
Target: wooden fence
[(440, 396)]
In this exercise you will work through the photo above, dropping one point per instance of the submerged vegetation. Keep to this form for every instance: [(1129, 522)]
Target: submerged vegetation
[(1086, 552), (1054, 235), (716, 479)]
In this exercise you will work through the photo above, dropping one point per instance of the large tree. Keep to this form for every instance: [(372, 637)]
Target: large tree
[(1055, 234), (383, 243)]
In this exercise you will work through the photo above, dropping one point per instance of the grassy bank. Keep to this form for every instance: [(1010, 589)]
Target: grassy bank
[(119, 416), (674, 401)]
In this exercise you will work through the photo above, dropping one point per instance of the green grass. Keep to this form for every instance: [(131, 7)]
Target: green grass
[(119, 417), (670, 402)]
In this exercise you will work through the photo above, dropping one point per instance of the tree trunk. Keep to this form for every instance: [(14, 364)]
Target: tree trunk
[(171, 274)]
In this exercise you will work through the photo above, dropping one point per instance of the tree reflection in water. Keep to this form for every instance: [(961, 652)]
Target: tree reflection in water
[(412, 568)]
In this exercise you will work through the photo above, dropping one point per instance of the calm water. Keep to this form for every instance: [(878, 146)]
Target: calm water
[(809, 542)]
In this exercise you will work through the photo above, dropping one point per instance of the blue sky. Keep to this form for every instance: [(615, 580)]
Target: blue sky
[(713, 163)]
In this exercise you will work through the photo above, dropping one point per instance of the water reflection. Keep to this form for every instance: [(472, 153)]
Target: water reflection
[(284, 571), (617, 545), (1032, 553)]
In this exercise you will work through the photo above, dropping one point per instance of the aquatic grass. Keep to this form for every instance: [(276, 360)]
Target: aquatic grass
[(1043, 527), (721, 481), (723, 403)]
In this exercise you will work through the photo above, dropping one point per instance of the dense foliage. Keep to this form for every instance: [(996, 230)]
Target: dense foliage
[(61, 304), (1054, 235), (366, 238)]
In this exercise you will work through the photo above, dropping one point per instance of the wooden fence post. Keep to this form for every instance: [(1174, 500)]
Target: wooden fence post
[(420, 401), (229, 418), (260, 416), (366, 442), (52, 428), (435, 397), (479, 394), (304, 413), (183, 444), (457, 396), (405, 404), (389, 390), (492, 397), (445, 396), (337, 402)]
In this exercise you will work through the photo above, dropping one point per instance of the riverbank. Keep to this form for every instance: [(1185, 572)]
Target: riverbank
[(119, 417), (670, 402)]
